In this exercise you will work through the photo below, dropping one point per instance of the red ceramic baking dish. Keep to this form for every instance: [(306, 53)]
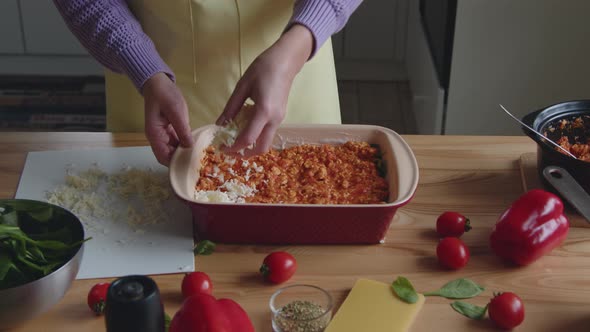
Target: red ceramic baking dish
[(258, 223)]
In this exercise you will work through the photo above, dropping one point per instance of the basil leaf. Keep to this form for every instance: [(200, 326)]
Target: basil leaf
[(404, 290), (458, 289), (204, 247), (469, 310)]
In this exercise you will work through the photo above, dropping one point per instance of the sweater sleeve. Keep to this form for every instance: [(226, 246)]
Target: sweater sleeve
[(114, 37), (323, 17)]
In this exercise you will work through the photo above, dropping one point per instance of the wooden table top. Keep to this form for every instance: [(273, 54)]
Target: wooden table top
[(475, 175)]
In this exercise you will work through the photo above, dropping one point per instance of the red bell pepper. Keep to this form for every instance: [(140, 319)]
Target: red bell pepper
[(204, 313), (530, 228)]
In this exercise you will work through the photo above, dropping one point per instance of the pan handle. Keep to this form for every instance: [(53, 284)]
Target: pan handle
[(569, 188)]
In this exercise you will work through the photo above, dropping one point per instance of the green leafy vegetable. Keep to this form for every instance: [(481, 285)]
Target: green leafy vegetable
[(469, 310), (404, 290), (35, 239), (204, 247), (9, 219), (458, 289), (167, 321)]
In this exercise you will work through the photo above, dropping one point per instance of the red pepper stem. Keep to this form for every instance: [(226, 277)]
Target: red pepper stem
[(467, 225)]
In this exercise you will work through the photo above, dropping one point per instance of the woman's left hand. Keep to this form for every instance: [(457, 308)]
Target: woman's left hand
[(267, 82)]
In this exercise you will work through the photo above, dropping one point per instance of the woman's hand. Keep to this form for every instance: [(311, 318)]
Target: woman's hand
[(267, 82), (166, 117)]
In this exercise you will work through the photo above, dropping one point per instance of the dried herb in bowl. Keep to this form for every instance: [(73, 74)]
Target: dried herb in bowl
[(302, 316), (36, 238)]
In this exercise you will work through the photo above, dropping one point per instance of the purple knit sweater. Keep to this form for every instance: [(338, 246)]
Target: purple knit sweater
[(110, 32)]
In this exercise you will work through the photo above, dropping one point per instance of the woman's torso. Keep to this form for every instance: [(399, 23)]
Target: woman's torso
[(209, 44)]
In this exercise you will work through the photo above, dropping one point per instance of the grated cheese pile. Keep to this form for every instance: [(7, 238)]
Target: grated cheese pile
[(134, 195), (231, 191), (226, 136)]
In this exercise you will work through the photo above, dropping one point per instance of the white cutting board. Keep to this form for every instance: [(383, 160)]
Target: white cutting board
[(116, 248)]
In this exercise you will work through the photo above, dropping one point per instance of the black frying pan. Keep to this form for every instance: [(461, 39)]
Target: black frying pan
[(547, 121)]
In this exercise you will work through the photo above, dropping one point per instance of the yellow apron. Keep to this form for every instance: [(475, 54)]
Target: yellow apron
[(209, 44)]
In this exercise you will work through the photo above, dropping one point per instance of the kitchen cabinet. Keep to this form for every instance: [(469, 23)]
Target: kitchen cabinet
[(523, 54), (10, 28), (45, 31), (372, 44), (370, 47), (40, 42), (427, 92)]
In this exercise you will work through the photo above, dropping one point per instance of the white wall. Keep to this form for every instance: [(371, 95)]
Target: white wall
[(525, 54)]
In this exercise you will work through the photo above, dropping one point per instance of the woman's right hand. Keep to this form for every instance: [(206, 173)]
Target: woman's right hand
[(166, 117)]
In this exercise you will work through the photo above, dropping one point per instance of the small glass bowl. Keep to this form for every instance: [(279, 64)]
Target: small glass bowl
[(300, 307)]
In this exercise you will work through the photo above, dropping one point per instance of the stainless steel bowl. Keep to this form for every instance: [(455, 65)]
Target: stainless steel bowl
[(22, 303)]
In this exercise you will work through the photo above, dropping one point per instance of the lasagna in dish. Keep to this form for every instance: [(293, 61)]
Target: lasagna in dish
[(350, 173)]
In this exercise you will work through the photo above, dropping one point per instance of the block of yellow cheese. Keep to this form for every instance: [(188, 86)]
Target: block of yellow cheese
[(372, 306)]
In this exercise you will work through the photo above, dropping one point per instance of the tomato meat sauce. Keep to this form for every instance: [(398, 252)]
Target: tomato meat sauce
[(574, 136), (349, 173)]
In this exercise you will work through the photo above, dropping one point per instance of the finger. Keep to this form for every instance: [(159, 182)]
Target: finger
[(157, 136), (163, 153), (235, 102), (172, 144), (249, 135), (162, 137), (264, 141), (177, 114)]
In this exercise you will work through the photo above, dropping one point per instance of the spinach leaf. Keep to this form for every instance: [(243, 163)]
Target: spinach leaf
[(10, 219), (63, 234), (38, 211), (35, 239), (5, 263)]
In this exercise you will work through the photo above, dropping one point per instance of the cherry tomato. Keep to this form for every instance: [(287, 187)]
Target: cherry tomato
[(506, 310), (278, 267), (452, 253), (452, 224), (196, 282), (97, 297)]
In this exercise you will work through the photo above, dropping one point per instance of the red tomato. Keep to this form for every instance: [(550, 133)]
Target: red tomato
[(452, 253), (452, 224), (97, 297), (278, 267), (506, 310), (196, 282)]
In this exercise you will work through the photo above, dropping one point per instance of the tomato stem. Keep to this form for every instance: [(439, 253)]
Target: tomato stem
[(99, 307), (467, 225), (264, 270)]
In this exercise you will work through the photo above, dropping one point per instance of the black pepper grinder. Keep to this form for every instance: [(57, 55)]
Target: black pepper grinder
[(133, 304)]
